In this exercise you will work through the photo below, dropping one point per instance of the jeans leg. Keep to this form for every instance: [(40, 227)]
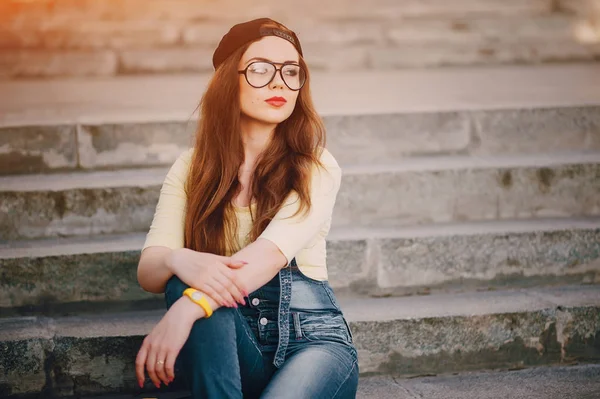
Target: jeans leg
[(324, 370), (221, 358)]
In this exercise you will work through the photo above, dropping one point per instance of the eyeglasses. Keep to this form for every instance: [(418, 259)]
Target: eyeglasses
[(261, 73)]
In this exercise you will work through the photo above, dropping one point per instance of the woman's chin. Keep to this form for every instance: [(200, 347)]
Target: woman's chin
[(271, 118)]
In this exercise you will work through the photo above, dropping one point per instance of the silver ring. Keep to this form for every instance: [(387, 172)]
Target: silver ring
[(160, 362)]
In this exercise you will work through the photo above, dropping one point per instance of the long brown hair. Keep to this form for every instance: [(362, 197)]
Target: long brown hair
[(284, 166)]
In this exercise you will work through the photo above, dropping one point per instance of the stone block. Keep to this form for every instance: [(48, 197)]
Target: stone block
[(76, 212), (111, 35), (482, 31), (385, 9), (22, 366), (480, 260), (37, 149), (324, 57), (412, 55), (95, 354), (133, 144), (177, 59), (48, 64), (44, 282), (536, 130), (349, 262), (205, 33), (457, 343), (380, 196), (365, 139), (342, 32), (418, 197)]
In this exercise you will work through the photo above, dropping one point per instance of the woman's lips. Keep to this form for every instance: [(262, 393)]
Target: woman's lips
[(276, 101)]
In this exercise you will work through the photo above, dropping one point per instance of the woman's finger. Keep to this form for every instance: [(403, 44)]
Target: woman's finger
[(151, 364), (140, 364), (170, 364), (223, 292), (230, 286), (161, 361), (210, 291), (234, 263), (233, 277)]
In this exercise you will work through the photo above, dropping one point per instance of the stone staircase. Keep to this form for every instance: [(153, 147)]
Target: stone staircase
[(50, 38), (466, 234)]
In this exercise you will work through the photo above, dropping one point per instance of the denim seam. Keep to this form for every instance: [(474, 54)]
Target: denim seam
[(333, 301), (345, 379), (250, 336), (297, 326), (283, 317)]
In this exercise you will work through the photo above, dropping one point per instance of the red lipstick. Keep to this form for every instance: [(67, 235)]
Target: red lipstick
[(276, 101)]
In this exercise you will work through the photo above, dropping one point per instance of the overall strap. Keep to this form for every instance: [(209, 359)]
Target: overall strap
[(283, 316)]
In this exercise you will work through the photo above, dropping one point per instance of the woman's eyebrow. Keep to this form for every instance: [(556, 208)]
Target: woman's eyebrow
[(267, 60)]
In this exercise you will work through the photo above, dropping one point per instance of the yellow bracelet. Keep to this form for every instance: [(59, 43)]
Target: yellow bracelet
[(197, 297)]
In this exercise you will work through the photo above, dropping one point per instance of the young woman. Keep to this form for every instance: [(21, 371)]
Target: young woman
[(238, 238)]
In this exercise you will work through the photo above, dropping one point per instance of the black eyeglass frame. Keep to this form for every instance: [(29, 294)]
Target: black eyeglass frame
[(274, 73)]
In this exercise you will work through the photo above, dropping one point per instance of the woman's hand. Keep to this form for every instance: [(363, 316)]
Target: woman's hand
[(161, 347), (210, 274)]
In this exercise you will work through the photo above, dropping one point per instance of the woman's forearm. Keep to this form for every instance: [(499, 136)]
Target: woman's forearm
[(154, 269), (264, 261)]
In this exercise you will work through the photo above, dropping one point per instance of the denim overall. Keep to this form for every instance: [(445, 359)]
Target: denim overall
[(295, 324)]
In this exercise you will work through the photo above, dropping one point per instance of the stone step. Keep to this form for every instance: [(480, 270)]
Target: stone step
[(355, 139), (98, 274), (148, 121), (411, 191), (546, 382), (88, 355), (39, 42)]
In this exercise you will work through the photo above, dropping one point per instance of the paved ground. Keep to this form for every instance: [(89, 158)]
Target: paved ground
[(570, 382), (575, 382)]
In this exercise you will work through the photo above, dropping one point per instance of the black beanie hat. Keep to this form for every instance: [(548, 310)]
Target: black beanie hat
[(245, 32)]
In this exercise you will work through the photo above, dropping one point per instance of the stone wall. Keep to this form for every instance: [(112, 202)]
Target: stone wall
[(46, 38)]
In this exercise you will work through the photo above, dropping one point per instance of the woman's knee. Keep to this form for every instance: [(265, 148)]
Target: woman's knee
[(174, 290)]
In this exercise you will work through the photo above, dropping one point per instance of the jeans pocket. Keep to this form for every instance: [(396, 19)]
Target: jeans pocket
[(326, 327)]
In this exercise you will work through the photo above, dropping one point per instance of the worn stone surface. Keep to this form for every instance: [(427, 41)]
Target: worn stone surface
[(94, 35), (437, 345), (339, 34), (176, 59), (492, 30), (558, 382), (536, 130), (33, 284), (415, 55), (353, 139), (495, 259), (49, 64), (76, 212), (22, 366), (467, 194), (364, 139), (59, 12), (37, 149), (96, 364), (143, 144), (366, 198), (70, 278)]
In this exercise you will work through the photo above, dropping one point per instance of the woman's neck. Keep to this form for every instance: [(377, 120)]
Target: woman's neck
[(256, 136)]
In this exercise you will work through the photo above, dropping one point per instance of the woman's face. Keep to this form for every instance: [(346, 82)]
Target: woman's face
[(274, 102)]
